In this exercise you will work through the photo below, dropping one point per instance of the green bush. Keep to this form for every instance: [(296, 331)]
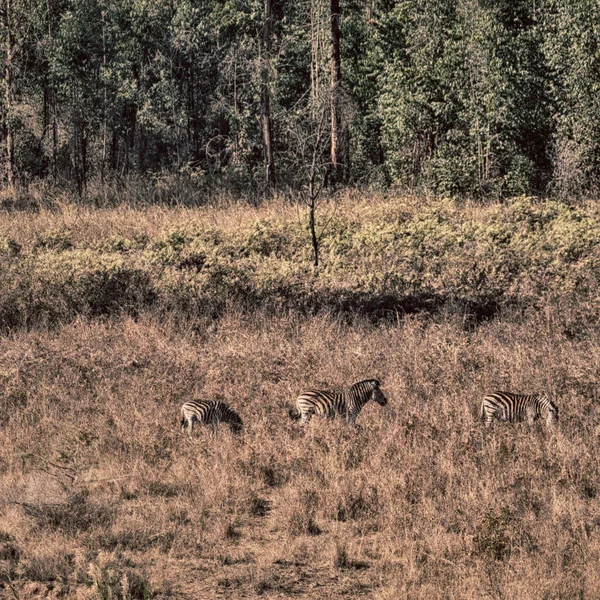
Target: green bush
[(54, 239), (386, 257), (52, 287)]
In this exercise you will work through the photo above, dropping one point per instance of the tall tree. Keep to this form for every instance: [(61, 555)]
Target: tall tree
[(9, 37), (336, 84), (265, 113), (572, 51)]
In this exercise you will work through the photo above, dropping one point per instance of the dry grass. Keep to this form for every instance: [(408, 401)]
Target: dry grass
[(101, 493), (102, 496)]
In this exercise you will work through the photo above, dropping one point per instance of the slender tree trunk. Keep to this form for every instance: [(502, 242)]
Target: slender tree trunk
[(235, 107), (54, 137), (105, 99), (75, 141), (313, 232), (8, 93), (143, 144), (336, 77), (265, 116), (52, 98), (83, 145), (314, 62)]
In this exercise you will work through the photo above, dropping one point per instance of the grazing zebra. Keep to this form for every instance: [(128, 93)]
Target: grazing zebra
[(209, 412), (516, 407), (347, 403)]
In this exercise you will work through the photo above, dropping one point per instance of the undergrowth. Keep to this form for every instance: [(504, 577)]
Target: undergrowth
[(379, 259)]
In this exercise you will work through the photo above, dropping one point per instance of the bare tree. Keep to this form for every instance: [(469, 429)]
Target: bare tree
[(307, 140), (317, 171)]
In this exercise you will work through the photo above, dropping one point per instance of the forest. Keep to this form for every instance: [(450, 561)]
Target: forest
[(479, 97)]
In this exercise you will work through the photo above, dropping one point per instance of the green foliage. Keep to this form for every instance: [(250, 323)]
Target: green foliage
[(8, 247), (570, 47), (52, 287), (55, 239), (459, 97), (464, 98), (389, 256)]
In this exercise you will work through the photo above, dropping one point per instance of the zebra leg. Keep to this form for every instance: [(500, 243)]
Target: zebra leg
[(489, 417), (305, 417), (188, 425)]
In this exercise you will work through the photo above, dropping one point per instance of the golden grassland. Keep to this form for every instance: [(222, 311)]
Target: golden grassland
[(102, 496)]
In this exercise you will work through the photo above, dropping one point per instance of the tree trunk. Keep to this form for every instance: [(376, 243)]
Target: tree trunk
[(52, 99), (336, 77), (8, 92), (54, 137), (313, 231), (265, 116), (105, 101), (75, 139)]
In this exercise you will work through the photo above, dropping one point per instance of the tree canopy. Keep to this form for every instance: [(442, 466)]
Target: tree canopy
[(475, 97)]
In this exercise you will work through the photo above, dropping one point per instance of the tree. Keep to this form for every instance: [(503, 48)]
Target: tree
[(265, 116), (336, 81), (571, 49), (9, 51)]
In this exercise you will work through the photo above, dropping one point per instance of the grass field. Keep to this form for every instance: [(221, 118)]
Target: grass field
[(101, 495)]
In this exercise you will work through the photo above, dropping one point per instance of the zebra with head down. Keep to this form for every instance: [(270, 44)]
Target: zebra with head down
[(209, 412), (505, 406)]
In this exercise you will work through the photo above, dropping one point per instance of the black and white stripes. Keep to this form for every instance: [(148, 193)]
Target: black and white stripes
[(347, 403), (209, 412), (516, 407), (503, 406)]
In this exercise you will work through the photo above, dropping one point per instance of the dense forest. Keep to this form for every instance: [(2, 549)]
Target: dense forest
[(478, 97)]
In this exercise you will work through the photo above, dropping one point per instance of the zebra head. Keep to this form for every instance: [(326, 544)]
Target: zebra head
[(377, 394), (235, 424)]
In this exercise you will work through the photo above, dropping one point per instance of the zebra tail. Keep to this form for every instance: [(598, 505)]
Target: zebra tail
[(294, 414), (482, 412)]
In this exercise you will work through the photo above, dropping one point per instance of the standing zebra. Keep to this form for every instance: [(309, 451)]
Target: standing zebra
[(209, 412), (516, 407), (347, 403)]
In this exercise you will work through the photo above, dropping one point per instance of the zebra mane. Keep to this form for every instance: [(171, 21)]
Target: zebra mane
[(371, 383), (546, 397)]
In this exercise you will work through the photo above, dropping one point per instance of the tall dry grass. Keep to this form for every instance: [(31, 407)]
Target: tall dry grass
[(113, 317), (102, 496)]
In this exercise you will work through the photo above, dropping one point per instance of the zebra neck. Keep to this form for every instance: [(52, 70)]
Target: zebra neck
[(356, 402)]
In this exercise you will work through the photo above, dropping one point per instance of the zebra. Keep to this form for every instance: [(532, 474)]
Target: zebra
[(347, 403), (209, 412), (517, 407)]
